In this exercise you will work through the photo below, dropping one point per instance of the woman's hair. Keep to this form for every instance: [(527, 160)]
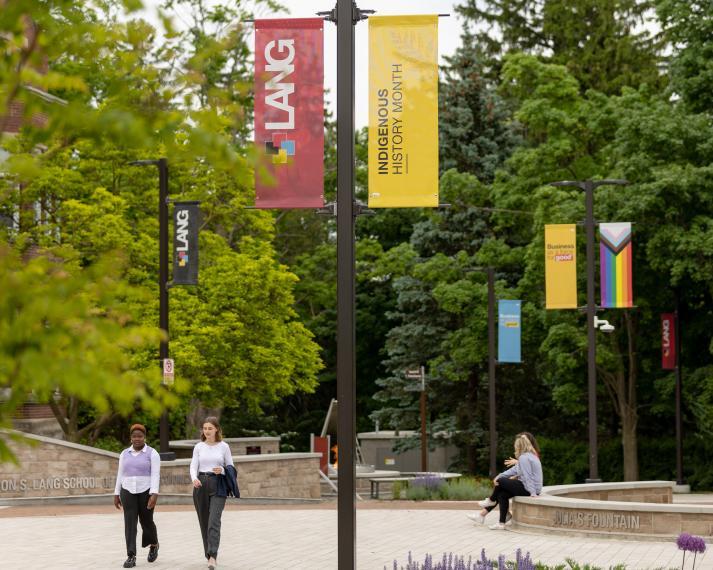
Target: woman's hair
[(218, 432), (135, 427), (523, 445), (532, 439)]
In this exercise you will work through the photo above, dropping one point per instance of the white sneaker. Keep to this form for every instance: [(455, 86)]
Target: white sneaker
[(485, 503), (477, 517), (497, 526), (508, 518)]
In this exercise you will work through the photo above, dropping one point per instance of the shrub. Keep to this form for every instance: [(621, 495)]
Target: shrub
[(418, 493), (465, 489), (430, 487), (424, 488)]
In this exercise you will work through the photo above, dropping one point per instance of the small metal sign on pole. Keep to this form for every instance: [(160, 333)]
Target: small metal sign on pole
[(168, 371), (420, 374)]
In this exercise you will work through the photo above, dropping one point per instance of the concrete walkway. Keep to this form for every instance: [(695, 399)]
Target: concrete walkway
[(285, 538)]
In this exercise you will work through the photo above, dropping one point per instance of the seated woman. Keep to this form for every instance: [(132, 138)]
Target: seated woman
[(521, 480)]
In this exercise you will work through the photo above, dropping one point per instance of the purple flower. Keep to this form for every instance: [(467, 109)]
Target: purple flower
[(451, 561), (690, 543), (430, 482)]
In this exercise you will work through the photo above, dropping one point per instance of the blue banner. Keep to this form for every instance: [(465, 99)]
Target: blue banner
[(509, 322)]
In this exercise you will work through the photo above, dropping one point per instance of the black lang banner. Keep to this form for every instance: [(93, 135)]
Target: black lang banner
[(186, 219)]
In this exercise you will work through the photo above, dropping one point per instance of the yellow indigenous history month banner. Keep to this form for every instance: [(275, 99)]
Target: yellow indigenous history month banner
[(403, 111), (561, 266)]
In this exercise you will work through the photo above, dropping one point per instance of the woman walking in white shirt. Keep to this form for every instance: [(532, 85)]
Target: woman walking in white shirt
[(210, 457), (136, 490)]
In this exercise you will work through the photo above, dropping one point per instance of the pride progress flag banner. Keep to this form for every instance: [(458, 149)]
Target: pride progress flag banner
[(615, 265)]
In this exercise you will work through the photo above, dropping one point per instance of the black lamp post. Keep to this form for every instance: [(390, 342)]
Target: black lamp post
[(589, 186), (492, 464), (162, 165)]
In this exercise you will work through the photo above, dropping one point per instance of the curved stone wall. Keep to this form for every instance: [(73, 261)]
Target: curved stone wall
[(638, 510), (56, 469)]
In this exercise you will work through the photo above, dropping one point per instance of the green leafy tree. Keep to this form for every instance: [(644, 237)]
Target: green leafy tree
[(440, 319), (67, 332), (603, 43), (688, 26), (649, 141), (236, 337)]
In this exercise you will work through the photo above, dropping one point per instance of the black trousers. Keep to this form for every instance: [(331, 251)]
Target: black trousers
[(209, 508), (135, 508), (503, 491)]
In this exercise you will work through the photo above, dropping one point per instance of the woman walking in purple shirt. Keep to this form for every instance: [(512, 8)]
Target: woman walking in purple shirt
[(137, 482)]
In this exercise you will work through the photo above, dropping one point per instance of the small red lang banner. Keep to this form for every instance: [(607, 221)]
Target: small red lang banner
[(289, 113), (668, 341)]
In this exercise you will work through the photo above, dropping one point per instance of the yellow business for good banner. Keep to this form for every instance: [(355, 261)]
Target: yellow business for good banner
[(403, 111), (561, 266)]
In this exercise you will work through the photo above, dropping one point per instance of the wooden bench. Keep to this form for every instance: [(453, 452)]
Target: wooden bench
[(376, 481)]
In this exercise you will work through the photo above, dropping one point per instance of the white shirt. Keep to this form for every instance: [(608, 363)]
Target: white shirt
[(206, 457), (136, 485)]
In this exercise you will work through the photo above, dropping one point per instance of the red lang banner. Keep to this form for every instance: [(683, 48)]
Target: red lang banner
[(668, 341), (289, 113)]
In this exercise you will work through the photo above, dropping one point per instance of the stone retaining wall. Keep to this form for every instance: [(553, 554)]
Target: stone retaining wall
[(55, 468), (238, 445)]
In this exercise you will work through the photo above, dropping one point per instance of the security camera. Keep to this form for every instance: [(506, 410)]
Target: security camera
[(603, 325)]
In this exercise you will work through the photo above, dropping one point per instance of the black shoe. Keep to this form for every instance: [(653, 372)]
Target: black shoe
[(130, 562), (153, 553)]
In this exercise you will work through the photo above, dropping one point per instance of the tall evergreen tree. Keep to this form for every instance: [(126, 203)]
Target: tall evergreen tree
[(475, 133), (603, 43)]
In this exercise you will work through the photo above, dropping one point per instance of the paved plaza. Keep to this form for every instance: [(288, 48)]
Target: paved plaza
[(299, 537)]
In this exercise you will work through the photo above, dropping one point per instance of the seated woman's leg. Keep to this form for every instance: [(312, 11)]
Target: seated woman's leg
[(496, 488), (509, 488), (495, 496)]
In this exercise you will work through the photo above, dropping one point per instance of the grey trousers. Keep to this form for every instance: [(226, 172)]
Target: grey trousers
[(209, 509)]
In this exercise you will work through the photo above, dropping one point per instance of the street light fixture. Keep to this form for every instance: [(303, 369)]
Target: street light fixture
[(490, 272), (588, 187), (162, 165)]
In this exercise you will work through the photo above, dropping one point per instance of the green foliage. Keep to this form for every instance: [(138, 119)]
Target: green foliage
[(600, 42), (418, 493), (563, 461), (236, 336), (461, 489), (664, 151), (133, 93), (110, 444), (688, 26), (66, 329), (475, 134), (466, 489)]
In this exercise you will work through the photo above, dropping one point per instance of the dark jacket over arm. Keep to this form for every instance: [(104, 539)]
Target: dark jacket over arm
[(228, 483)]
